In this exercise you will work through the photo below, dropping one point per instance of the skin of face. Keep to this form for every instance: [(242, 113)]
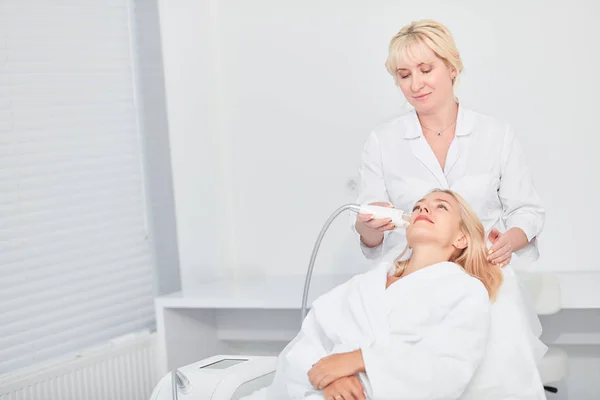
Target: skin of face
[(425, 79)]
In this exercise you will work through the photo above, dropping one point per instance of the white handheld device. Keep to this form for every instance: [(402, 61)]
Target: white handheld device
[(399, 218)]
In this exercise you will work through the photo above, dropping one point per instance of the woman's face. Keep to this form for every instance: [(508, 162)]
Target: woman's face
[(425, 80), (435, 220)]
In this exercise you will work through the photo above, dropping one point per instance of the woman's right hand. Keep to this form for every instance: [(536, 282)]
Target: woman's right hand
[(346, 388), (371, 229)]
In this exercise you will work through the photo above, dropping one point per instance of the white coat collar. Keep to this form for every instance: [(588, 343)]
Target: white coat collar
[(421, 149), (464, 124)]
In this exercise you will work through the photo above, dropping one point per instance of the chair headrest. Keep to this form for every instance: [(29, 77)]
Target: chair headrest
[(544, 290)]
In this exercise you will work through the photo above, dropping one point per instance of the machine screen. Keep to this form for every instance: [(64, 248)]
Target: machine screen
[(224, 363)]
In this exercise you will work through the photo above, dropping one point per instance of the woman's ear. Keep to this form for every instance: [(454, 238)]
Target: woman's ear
[(461, 242)]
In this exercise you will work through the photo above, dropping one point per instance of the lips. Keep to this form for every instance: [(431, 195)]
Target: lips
[(423, 218), (421, 97)]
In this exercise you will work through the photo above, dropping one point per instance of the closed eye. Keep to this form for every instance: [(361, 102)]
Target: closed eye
[(443, 206)]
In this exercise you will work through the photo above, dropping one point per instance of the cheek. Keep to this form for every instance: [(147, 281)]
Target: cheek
[(441, 80), (433, 80), (448, 225), (404, 85), (407, 92)]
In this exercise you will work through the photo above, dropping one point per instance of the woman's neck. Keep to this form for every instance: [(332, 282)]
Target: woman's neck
[(425, 256), (441, 117)]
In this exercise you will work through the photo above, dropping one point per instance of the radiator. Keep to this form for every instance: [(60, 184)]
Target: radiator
[(122, 370)]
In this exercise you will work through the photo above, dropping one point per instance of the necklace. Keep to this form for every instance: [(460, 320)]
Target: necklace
[(439, 132)]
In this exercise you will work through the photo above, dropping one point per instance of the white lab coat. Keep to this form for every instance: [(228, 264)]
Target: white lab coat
[(485, 164), (421, 338)]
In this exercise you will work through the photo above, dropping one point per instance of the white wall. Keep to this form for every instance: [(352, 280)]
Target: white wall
[(270, 103), (196, 139)]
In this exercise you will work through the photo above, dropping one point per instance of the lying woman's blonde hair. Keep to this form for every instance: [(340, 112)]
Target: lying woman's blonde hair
[(473, 258)]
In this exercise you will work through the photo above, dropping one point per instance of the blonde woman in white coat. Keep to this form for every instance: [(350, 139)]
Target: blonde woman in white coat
[(441, 144)]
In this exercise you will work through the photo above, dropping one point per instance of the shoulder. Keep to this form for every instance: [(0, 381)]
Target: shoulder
[(490, 135), (484, 125), (397, 127)]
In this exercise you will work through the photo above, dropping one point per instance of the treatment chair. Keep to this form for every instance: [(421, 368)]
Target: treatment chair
[(544, 289)]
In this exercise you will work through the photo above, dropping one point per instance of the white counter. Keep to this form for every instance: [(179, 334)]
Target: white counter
[(580, 290)]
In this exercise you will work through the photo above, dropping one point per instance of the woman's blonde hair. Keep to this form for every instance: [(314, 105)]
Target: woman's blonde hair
[(405, 45), (473, 258)]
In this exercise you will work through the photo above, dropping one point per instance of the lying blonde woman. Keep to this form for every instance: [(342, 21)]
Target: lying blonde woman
[(417, 329)]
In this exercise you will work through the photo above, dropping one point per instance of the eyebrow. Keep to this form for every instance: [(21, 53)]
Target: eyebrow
[(439, 200), (418, 65), (443, 201)]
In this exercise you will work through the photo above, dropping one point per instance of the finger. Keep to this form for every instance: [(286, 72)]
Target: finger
[(495, 258), (503, 258), (346, 393), (328, 392), (312, 380), (325, 381), (317, 382), (388, 227), (497, 246), (314, 377), (360, 390), (362, 217), (381, 204), (494, 235), (495, 255), (505, 263), (357, 392), (378, 223)]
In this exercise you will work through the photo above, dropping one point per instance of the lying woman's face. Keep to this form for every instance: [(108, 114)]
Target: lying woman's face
[(435, 219)]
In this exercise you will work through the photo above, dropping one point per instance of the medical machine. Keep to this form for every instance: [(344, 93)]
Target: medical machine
[(218, 377), (231, 377)]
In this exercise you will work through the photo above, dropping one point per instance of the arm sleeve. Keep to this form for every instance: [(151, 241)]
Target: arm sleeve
[(371, 188), (291, 374), (521, 205), (441, 364)]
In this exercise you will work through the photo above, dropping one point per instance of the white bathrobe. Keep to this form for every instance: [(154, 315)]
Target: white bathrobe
[(424, 337)]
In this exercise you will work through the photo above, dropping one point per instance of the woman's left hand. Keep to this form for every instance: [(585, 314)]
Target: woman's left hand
[(501, 250), (333, 367)]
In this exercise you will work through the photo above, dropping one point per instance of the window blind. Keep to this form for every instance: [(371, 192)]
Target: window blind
[(75, 263)]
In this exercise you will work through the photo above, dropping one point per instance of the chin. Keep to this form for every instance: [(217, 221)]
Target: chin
[(423, 108), (418, 235)]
